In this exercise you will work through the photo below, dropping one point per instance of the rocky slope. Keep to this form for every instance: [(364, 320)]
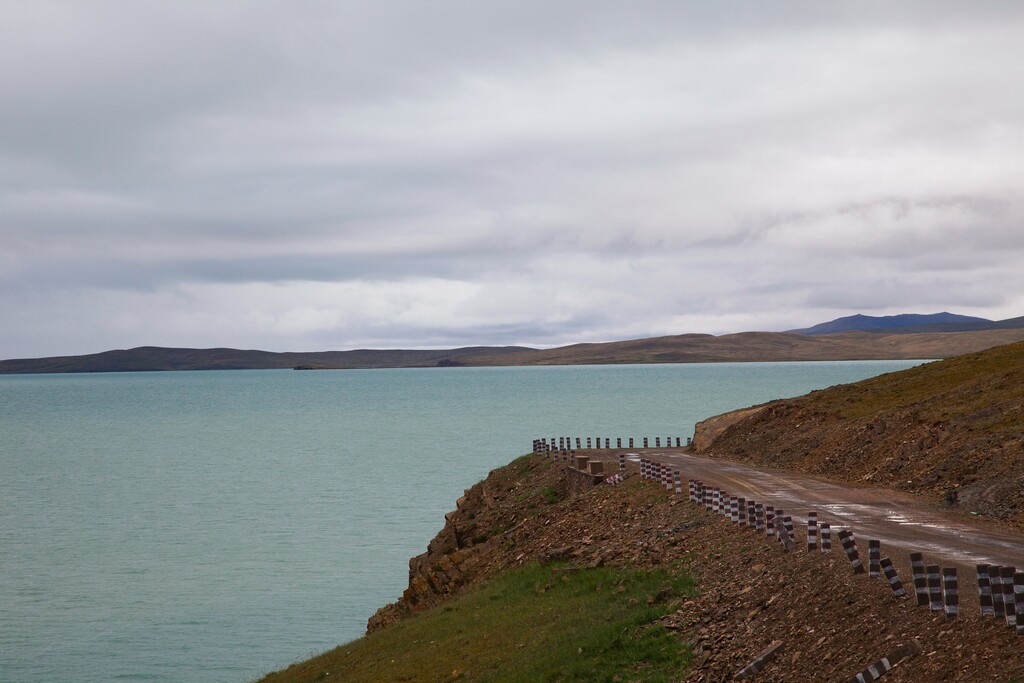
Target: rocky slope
[(831, 623), (951, 430)]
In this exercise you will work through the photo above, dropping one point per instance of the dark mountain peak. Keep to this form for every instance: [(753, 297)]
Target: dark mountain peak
[(860, 322)]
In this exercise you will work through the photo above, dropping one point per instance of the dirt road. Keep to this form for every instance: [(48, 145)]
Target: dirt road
[(897, 520)]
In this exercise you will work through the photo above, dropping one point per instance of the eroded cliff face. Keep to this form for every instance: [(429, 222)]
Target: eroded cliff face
[(951, 431), (475, 542)]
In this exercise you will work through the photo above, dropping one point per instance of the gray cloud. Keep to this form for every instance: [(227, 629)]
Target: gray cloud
[(331, 175)]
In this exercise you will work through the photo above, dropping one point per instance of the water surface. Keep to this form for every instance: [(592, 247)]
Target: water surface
[(214, 526)]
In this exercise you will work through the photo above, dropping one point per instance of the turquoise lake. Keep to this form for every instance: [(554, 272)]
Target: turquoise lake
[(215, 526)]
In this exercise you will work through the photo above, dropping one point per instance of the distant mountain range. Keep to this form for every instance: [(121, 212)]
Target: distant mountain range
[(907, 321), (856, 337)]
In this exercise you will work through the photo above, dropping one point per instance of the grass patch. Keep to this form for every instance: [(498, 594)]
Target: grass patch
[(586, 625), (550, 495)]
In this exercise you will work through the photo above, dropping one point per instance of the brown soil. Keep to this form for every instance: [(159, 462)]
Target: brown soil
[(832, 623), (951, 431)]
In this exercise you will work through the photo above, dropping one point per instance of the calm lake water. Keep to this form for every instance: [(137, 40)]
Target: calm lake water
[(215, 526)]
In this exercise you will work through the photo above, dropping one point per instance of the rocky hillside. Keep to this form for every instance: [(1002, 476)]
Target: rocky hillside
[(951, 430), (750, 594)]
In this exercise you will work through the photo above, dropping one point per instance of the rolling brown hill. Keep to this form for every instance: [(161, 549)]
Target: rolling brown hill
[(684, 348), (952, 431), (759, 346)]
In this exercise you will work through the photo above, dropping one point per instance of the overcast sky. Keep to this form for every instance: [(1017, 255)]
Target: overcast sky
[(312, 176)]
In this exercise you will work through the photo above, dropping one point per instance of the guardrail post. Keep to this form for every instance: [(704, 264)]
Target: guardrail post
[(894, 580), (780, 527), (1018, 599), (874, 558), (850, 546), (826, 538), (812, 531), (1009, 596), (950, 592), (920, 578), (934, 587), (985, 591)]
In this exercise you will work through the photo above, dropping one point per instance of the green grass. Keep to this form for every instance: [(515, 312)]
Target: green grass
[(527, 625), (550, 495)]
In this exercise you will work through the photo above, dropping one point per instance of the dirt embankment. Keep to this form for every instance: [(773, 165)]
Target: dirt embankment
[(952, 431), (831, 622)]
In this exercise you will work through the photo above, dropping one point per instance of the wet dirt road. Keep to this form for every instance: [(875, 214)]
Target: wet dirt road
[(898, 520)]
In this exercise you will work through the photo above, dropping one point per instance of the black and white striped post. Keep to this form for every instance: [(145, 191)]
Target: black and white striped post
[(780, 528), (812, 531), (985, 591), (588, 442), (934, 587), (618, 442), (668, 478), (751, 514), (578, 444), (1018, 600), (850, 546), (622, 462), (780, 514), (885, 664), (874, 558), (759, 523), (645, 442), (741, 511), (734, 509), (788, 521), (826, 538), (950, 592), (894, 580), (1009, 599), (607, 442), (657, 442), (920, 578), (678, 482), (769, 519), (756, 666), (630, 442), (996, 582)]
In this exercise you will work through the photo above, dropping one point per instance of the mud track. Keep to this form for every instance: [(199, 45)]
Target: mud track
[(897, 519)]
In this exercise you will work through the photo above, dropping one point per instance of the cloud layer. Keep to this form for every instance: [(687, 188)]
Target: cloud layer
[(336, 175)]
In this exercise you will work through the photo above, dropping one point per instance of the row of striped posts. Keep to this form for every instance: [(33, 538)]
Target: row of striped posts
[(566, 443), (1000, 588)]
